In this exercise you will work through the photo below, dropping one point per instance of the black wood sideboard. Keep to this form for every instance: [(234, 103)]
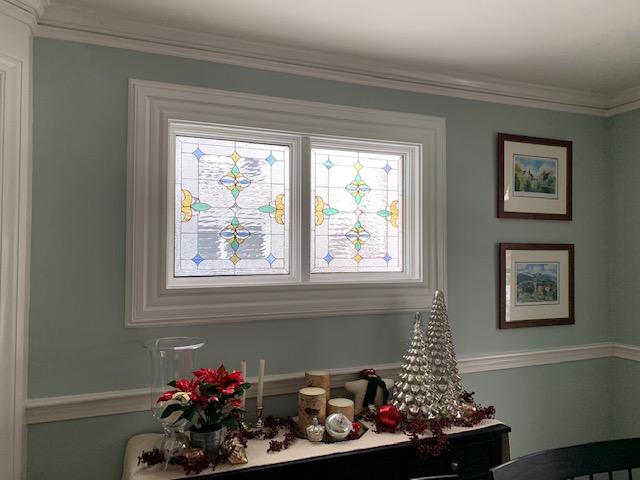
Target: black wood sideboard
[(470, 456)]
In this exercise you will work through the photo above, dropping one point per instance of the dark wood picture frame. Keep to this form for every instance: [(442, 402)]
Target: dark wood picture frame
[(567, 144), (503, 247)]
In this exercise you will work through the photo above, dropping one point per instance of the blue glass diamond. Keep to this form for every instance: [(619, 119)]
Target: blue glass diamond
[(270, 258), (328, 163), (327, 258), (197, 259), (271, 159), (198, 153), (387, 168), (387, 258)]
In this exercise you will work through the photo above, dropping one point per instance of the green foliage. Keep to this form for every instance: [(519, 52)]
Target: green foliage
[(171, 408), (523, 181)]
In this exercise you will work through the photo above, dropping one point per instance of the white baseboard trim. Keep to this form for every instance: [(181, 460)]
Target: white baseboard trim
[(52, 409)]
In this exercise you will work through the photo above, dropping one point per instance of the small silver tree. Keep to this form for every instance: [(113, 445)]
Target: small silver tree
[(411, 389)]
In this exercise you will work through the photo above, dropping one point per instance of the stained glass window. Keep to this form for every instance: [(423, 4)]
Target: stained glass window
[(231, 208), (357, 217)]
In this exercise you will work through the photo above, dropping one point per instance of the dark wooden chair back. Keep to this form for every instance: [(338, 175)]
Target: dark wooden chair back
[(439, 477), (572, 462)]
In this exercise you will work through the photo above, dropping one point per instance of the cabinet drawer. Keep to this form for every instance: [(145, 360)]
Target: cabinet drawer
[(469, 460)]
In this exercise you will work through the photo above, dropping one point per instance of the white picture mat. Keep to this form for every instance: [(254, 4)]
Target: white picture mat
[(533, 204), (513, 312)]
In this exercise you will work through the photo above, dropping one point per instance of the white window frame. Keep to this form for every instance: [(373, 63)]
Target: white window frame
[(158, 111)]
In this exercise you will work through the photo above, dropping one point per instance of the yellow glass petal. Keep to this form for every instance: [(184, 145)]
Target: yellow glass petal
[(394, 214), (187, 200), (279, 213), (319, 212)]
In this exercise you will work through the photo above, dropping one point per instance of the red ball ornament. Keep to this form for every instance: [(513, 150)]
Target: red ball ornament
[(389, 416)]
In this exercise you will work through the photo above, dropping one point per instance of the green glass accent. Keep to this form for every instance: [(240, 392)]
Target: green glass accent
[(235, 222), (384, 213), (357, 245), (200, 206), (267, 209), (358, 198), (235, 192), (235, 245), (358, 180), (358, 224), (330, 211), (235, 170)]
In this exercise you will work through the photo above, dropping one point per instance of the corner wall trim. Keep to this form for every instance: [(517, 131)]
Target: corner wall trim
[(626, 352), (52, 409)]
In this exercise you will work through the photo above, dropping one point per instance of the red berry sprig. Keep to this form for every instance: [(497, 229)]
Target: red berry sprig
[(272, 426)]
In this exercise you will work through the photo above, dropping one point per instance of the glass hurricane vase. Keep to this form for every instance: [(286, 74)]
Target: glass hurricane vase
[(172, 358)]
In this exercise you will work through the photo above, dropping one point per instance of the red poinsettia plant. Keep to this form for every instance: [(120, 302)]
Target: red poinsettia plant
[(211, 399)]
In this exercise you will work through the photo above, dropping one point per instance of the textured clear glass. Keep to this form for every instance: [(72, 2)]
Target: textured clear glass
[(231, 208), (357, 205)]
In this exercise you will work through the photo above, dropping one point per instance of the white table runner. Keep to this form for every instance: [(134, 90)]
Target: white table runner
[(257, 452)]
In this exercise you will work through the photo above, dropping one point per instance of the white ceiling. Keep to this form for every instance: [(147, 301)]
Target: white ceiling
[(589, 45)]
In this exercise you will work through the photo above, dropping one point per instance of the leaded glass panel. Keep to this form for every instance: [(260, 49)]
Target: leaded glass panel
[(231, 208), (357, 205)]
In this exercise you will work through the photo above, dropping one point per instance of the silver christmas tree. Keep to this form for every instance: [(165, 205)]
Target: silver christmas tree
[(445, 386), (411, 389)]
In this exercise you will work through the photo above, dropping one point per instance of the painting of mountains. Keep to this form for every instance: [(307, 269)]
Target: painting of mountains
[(535, 176), (537, 283)]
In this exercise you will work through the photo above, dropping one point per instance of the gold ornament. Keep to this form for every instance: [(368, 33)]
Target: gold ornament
[(193, 454), (467, 409), (236, 454)]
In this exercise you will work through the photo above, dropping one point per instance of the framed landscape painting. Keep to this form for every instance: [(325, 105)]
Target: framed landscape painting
[(536, 284), (534, 177)]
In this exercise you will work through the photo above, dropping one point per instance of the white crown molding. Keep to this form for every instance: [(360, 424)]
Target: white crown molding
[(52, 409), (26, 11), (83, 25), (624, 101)]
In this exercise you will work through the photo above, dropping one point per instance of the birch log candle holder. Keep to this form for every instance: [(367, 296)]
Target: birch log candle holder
[(320, 379), (312, 402), (341, 405)]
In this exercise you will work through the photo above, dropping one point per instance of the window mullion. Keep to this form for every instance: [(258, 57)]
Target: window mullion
[(303, 227)]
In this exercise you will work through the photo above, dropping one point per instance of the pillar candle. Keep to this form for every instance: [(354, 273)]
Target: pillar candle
[(320, 379), (312, 402), (341, 405)]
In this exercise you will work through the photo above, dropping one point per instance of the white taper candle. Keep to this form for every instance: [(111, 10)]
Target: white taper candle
[(243, 371), (260, 383)]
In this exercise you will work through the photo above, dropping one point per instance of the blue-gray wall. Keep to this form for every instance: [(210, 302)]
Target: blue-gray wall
[(623, 146), (78, 343)]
